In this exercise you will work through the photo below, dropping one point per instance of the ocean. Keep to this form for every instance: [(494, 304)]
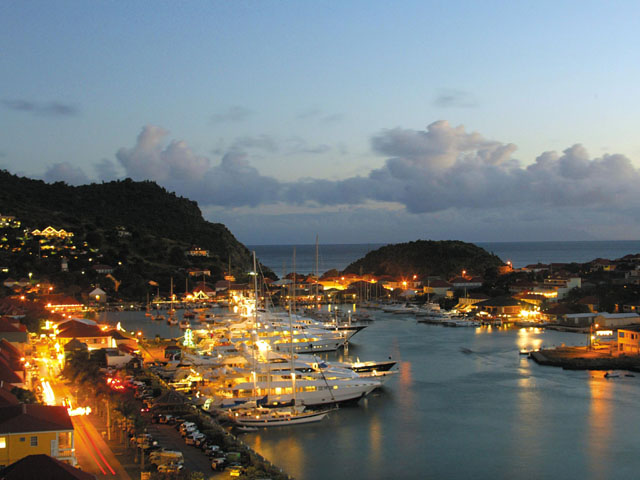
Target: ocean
[(338, 256)]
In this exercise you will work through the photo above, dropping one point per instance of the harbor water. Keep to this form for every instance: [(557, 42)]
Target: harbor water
[(465, 404)]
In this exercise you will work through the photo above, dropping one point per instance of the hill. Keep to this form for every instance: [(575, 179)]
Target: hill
[(427, 257), (139, 228)]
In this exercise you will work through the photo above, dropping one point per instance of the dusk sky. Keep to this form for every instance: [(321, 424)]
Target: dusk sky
[(359, 121)]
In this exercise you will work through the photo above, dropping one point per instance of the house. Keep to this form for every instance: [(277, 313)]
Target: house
[(628, 342), (98, 295), (43, 467), (103, 269), (14, 332), (197, 252), (437, 287), (581, 320), (466, 283), (36, 429), (86, 332), (616, 320), (50, 232), (500, 306)]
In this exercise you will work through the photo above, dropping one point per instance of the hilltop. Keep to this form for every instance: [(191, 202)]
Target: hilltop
[(139, 228), (426, 258)]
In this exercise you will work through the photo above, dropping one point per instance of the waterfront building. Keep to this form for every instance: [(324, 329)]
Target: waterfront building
[(616, 320), (628, 342)]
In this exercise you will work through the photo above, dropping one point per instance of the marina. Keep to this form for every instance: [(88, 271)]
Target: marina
[(457, 388)]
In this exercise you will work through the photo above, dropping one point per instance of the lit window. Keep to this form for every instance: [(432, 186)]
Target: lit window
[(3, 442)]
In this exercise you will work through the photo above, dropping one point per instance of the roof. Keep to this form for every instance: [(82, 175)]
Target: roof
[(617, 315), (7, 374), (42, 467), (438, 284), (34, 418), (75, 344), (9, 325), (77, 329), (499, 302), (7, 398)]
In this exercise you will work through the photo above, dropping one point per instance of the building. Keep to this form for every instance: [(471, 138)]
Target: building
[(617, 320), (50, 232), (628, 342), (36, 429), (437, 287), (43, 467), (578, 320), (86, 332), (197, 252)]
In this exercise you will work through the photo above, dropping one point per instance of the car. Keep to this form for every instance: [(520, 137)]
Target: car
[(194, 438), (170, 468), (236, 470), (218, 463)]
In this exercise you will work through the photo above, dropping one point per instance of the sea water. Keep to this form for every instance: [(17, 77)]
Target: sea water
[(338, 256)]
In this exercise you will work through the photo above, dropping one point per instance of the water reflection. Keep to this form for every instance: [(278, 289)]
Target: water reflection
[(599, 423)]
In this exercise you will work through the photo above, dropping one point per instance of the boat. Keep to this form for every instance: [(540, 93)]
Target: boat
[(276, 417), (188, 314), (172, 321), (184, 324)]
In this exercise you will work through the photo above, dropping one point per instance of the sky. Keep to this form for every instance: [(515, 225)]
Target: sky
[(358, 121)]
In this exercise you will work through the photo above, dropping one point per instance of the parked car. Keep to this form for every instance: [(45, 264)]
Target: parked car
[(236, 470), (218, 463), (170, 468), (194, 437)]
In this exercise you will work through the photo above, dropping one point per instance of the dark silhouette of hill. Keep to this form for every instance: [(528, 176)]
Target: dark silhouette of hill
[(427, 257)]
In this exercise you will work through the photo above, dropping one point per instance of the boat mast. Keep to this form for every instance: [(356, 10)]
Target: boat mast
[(293, 372), (317, 277), (255, 323)]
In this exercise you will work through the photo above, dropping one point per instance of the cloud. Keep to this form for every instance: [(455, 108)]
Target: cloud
[(320, 116), (55, 109), (448, 97), (65, 172), (174, 165), (235, 113), (439, 169), (107, 170)]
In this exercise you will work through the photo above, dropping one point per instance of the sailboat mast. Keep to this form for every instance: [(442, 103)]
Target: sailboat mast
[(293, 371), (317, 277)]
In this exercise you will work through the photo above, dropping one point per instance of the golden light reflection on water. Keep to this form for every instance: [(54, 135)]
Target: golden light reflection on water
[(599, 423), (375, 439), (527, 339), (274, 449)]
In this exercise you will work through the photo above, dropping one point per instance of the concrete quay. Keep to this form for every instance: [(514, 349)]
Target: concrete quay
[(583, 358)]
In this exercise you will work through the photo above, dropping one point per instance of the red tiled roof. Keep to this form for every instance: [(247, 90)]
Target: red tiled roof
[(77, 329), (9, 325), (34, 418), (7, 398), (42, 467)]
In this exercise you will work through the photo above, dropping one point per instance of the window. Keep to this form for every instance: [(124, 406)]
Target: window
[(34, 441), (621, 334), (22, 439), (3, 442)]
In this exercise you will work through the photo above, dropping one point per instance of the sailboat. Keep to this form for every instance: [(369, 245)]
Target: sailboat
[(171, 319)]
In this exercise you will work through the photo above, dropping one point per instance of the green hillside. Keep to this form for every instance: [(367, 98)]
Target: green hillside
[(137, 227)]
